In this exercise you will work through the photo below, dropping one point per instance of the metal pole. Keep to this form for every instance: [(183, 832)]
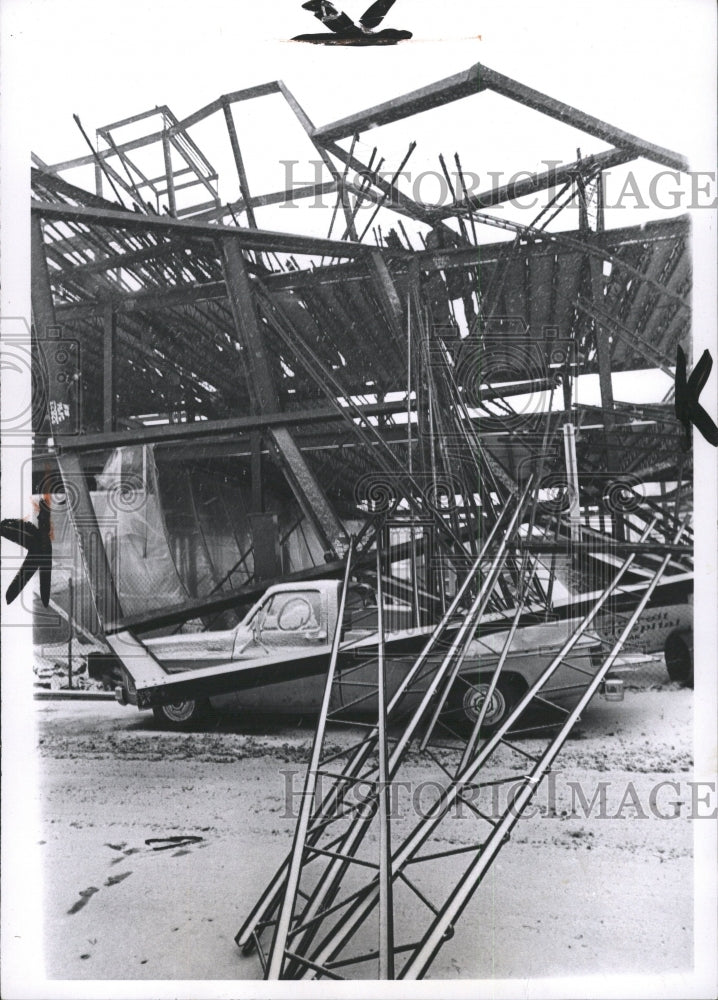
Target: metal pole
[(412, 147), (109, 368), (170, 176), (279, 943), (474, 737), (340, 193), (460, 172), (569, 448), (452, 909), (466, 632), (410, 464), (386, 902), (603, 352), (239, 164), (425, 344), (70, 620), (359, 192)]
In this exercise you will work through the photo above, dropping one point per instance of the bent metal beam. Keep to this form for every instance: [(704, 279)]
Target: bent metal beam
[(248, 239), (479, 78)]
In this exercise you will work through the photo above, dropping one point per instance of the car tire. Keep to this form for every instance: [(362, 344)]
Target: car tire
[(467, 699), (182, 714), (678, 652)]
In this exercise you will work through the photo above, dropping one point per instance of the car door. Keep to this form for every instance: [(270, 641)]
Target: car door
[(192, 651)]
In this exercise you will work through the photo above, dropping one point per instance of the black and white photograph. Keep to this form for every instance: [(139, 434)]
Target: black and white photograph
[(359, 499)]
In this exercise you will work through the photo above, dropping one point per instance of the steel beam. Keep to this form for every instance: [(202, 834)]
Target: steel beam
[(242, 596), (277, 952), (396, 200), (137, 657), (479, 78), (239, 164), (531, 98), (442, 92), (603, 350), (387, 294), (230, 436), (386, 889), (255, 439), (598, 545), (260, 379), (308, 127), (231, 427), (611, 241), (304, 484), (539, 182), (262, 200), (167, 154), (308, 491), (239, 95), (109, 344), (262, 240)]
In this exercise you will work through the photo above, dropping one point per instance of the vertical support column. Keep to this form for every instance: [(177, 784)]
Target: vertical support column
[(583, 225), (303, 482), (386, 290), (249, 333), (574, 511), (600, 203), (603, 349), (568, 561), (257, 486), (108, 368), (416, 609), (71, 628), (81, 511), (170, 176), (266, 547), (386, 900)]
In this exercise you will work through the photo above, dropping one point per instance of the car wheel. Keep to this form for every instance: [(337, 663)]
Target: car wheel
[(468, 698), (678, 652), (182, 714)]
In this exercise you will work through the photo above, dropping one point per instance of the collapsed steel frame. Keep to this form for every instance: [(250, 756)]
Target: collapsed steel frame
[(350, 381)]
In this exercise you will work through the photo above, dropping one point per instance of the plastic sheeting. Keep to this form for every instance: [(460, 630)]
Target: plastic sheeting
[(173, 531), (129, 511)]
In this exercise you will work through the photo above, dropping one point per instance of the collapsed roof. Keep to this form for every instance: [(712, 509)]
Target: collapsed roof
[(425, 356)]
